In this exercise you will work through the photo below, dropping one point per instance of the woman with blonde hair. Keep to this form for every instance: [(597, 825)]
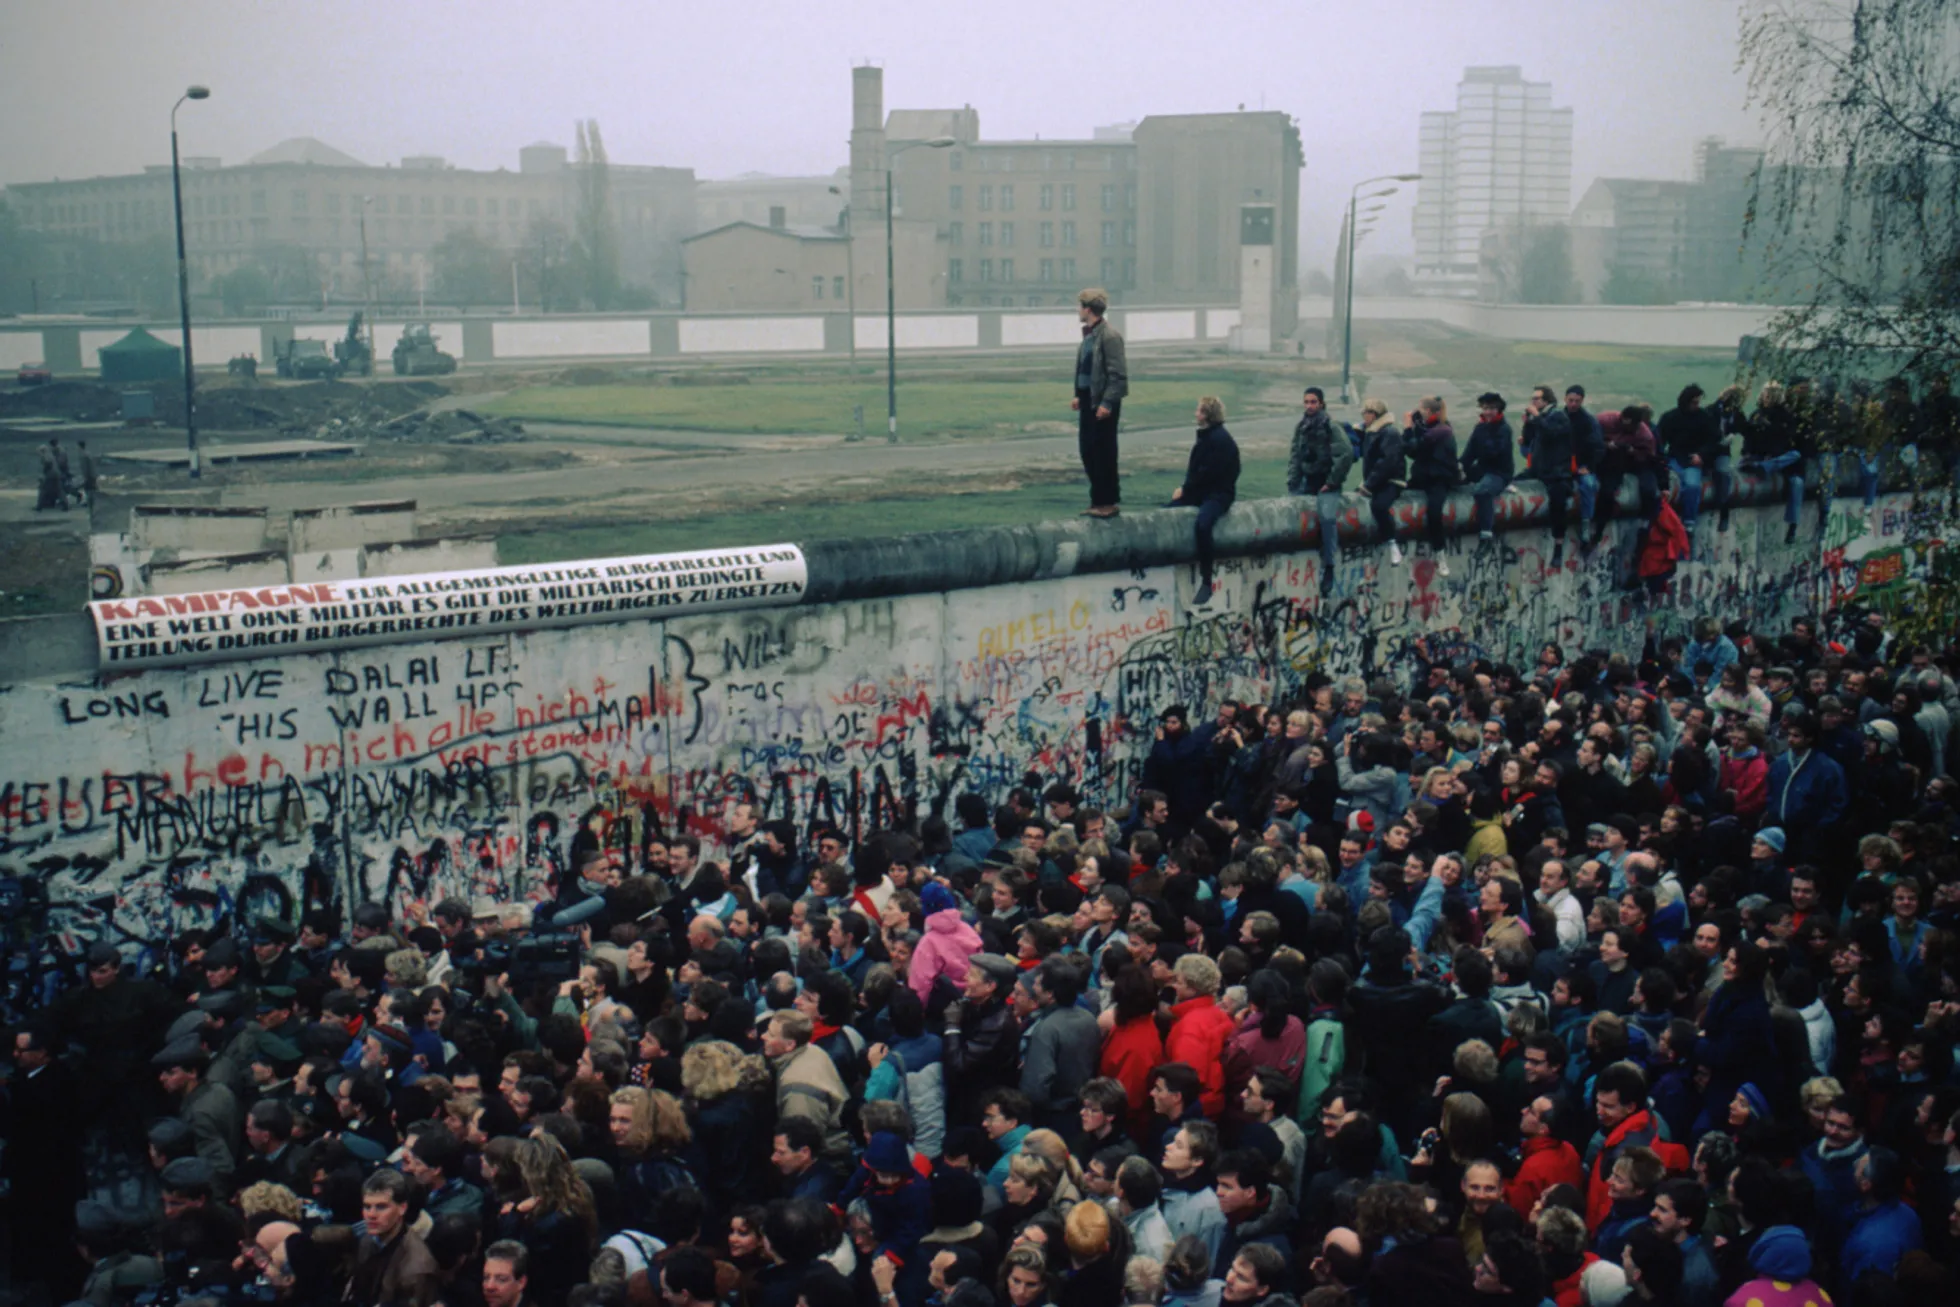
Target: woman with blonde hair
[(723, 1086), (651, 1132), (1384, 470), (1211, 483), (553, 1216), (1050, 1147), (1028, 1188), (1776, 444)]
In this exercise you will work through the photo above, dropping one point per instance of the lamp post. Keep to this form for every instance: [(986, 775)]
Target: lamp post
[(184, 281), (891, 292), (367, 289), (1347, 322)]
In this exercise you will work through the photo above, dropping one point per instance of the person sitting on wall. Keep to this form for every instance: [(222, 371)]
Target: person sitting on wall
[(1211, 483)]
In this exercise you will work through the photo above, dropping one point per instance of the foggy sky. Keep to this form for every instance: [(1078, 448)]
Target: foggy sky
[(725, 88)]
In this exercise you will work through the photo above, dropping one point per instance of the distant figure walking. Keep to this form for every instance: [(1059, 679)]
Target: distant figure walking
[(1102, 379), (1211, 483)]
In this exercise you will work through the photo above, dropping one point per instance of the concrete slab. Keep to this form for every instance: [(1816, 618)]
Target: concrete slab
[(244, 452), (59, 426)]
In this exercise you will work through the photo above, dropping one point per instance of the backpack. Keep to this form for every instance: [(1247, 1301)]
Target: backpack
[(1354, 439)]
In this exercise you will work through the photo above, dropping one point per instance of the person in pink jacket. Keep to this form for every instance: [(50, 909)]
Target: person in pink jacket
[(948, 945)]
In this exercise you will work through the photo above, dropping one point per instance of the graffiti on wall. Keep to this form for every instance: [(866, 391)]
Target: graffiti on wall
[(137, 805)]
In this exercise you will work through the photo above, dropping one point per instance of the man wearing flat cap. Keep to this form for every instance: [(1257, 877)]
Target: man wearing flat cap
[(983, 1039), (198, 1230), (272, 961), (209, 1109)]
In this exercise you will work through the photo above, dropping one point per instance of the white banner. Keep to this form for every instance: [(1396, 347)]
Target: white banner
[(257, 621)]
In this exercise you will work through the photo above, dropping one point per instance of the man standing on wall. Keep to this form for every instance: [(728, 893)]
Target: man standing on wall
[(1102, 379)]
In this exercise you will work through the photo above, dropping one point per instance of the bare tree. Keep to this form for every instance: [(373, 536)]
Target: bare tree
[(598, 242), (1858, 195)]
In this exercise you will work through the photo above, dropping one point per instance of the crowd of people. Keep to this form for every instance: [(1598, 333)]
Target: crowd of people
[(1809, 433), (1604, 980)]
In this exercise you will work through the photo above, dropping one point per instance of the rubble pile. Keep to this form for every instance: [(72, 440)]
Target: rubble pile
[(456, 426)]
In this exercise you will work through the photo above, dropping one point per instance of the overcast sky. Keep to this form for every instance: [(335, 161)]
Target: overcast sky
[(726, 88)]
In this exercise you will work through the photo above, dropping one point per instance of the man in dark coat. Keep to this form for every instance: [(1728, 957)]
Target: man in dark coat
[(1211, 483), (1548, 454), (983, 1038), (1102, 379), (1176, 767), (1318, 465), (44, 1162)]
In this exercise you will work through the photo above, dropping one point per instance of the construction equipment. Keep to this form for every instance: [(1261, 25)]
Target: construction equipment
[(416, 354), (304, 360), (351, 351)]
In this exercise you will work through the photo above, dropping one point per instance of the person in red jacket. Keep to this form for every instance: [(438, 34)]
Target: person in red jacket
[(1200, 1028), (1545, 1159), (1620, 1098), (1132, 1047), (1745, 772)]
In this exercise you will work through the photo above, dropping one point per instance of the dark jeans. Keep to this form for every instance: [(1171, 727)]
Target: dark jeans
[(1433, 525), (1097, 440), (1558, 503), (1208, 514), (1382, 504), (1609, 494)]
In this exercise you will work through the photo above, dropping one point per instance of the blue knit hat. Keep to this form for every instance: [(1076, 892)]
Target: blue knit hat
[(1758, 1102), (887, 1153), (937, 898), (1781, 1253), (1772, 836)]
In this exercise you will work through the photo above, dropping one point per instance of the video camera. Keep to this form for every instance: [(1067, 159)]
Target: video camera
[(552, 957)]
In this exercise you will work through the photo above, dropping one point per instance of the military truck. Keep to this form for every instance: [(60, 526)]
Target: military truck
[(416, 354), (304, 360)]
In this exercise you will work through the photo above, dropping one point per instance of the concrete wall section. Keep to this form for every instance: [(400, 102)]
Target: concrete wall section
[(1702, 326), (1158, 324), (1019, 329), (750, 335), (571, 338), (921, 331), (18, 347), (463, 767)]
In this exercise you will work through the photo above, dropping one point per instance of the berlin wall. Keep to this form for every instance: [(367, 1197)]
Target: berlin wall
[(136, 803)]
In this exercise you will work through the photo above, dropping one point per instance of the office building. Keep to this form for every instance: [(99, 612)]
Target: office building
[(299, 206), (1502, 157)]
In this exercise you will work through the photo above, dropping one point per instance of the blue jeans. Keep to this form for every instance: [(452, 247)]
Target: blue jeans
[(1829, 465), (1690, 479), (1327, 507), (1588, 486), (1486, 491), (1791, 465)]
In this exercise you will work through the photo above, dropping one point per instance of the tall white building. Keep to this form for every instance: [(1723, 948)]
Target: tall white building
[(1503, 155)]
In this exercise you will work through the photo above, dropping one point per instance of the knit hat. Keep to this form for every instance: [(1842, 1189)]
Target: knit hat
[(887, 1153), (1772, 836), (1781, 1253), (937, 898), (1758, 1103), (1603, 1285)]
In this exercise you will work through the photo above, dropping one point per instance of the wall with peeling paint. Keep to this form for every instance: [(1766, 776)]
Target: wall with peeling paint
[(145, 803)]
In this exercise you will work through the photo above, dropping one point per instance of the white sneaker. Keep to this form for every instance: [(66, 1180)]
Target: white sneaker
[(1395, 552), (1442, 565)]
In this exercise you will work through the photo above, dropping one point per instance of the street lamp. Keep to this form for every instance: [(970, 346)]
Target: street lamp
[(1347, 325), (184, 280), (891, 295)]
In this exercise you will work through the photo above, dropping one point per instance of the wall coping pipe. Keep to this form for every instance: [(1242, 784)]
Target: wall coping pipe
[(62, 646)]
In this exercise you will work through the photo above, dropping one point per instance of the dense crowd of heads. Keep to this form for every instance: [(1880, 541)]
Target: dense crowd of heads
[(1598, 979)]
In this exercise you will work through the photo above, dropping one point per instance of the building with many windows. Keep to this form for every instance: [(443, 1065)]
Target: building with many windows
[(1502, 157), (300, 207), (1149, 211)]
